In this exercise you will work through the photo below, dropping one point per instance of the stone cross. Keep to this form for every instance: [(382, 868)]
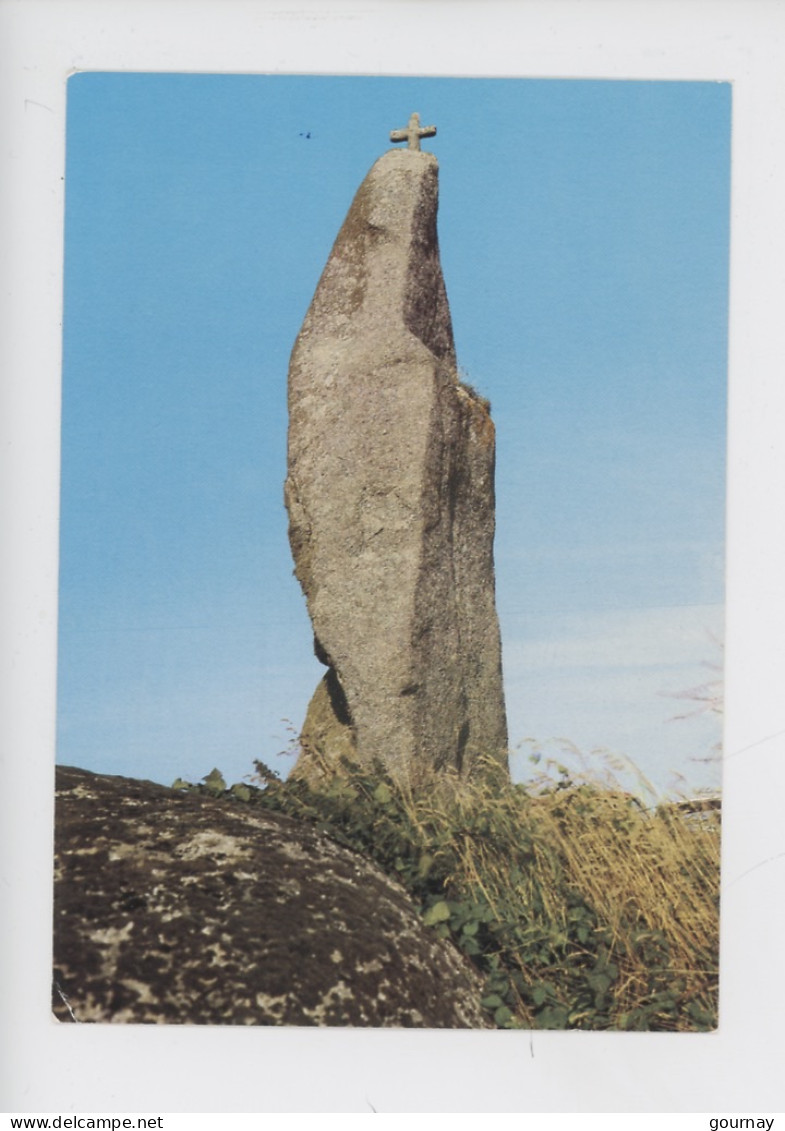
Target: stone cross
[(413, 132)]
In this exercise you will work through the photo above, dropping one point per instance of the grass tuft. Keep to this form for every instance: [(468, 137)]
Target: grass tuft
[(583, 905)]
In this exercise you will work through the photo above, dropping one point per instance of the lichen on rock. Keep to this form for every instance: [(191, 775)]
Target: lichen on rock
[(176, 907)]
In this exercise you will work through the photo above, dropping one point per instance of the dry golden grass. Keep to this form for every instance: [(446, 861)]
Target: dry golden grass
[(610, 905)]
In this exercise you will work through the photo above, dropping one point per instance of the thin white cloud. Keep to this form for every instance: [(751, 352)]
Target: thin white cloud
[(621, 638), (602, 681)]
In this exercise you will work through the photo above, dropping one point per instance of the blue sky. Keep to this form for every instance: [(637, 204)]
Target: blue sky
[(584, 240)]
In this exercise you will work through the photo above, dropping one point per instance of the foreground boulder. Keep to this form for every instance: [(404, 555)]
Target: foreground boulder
[(180, 907), (390, 494)]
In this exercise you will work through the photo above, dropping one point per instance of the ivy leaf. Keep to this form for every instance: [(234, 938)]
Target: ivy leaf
[(539, 994), (382, 794), (215, 781), (425, 865), (600, 983), (502, 1015), (552, 1017), (438, 913), (492, 1001)]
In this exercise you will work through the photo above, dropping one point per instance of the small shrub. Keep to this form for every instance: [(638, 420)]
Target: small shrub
[(582, 906)]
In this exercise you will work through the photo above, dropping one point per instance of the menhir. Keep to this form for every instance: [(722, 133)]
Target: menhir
[(390, 494)]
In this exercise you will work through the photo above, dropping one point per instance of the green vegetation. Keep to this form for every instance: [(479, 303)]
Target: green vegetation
[(465, 383), (582, 907)]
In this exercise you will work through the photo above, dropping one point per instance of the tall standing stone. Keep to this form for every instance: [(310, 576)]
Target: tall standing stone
[(390, 494)]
